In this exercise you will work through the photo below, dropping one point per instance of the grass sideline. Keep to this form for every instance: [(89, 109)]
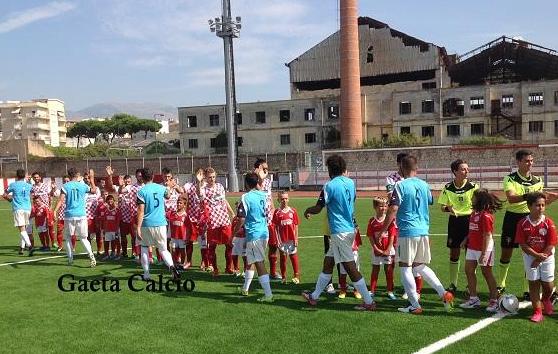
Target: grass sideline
[(37, 317)]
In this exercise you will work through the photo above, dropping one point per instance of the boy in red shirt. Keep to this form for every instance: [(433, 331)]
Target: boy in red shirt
[(238, 244), (110, 221), (383, 246), (43, 221), (178, 222), (285, 221), (536, 234)]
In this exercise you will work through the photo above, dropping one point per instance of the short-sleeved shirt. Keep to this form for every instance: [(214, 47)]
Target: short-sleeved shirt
[(75, 193), (152, 195), (536, 235), (111, 219), (178, 224), (339, 197), (216, 206), (520, 185), (42, 191), (286, 222), (194, 206), (391, 180), (253, 209), (412, 196), (373, 230), (21, 195), (460, 198), (479, 223)]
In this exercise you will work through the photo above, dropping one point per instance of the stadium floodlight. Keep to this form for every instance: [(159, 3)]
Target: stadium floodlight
[(224, 27)]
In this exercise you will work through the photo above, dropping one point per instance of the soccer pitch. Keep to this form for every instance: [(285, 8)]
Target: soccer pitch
[(38, 317)]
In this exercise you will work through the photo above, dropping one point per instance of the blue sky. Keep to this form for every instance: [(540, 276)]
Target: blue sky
[(90, 51)]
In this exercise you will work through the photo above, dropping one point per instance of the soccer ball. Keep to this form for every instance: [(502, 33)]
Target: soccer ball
[(508, 303)]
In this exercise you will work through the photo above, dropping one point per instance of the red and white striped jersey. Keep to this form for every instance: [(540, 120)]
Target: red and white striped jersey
[(42, 191), (216, 206)]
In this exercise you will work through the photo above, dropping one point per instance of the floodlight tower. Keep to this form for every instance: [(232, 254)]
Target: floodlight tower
[(227, 28)]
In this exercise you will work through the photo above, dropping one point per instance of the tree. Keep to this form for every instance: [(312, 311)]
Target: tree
[(149, 125), (78, 130)]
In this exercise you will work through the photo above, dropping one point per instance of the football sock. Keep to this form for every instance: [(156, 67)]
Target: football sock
[(294, 262), (145, 260), (454, 271), (235, 262), (189, 251), (182, 252), (343, 282), (283, 265), (99, 241), (321, 283), (409, 285), (166, 257), (361, 288), (228, 258), (69, 248), (389, 277), (42, 238), (374, 279), (107, 244), (264, 282), (248, 276), (418, 281), (21, 243), (124, 242), (503, 273), (431, 278), (25, 238), (272, 256), (87, 246)]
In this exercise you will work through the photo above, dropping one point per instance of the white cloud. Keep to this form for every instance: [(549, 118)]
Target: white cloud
[(20, 19)]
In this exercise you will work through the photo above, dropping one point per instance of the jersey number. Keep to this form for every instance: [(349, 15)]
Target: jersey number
[(157, 202)]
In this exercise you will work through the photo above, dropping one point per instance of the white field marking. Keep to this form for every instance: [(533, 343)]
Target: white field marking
[(457, 336)]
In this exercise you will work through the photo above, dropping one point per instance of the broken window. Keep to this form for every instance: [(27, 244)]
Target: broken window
[(453, 107)]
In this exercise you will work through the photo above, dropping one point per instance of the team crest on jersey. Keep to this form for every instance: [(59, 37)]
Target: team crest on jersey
[(542, 232)]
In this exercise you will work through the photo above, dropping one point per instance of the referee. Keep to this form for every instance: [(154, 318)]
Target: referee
[(456, 199)]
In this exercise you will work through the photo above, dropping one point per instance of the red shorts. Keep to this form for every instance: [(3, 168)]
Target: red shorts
[(91, 226), (192, 232), (220, 236), (272, 241), (125, 229)]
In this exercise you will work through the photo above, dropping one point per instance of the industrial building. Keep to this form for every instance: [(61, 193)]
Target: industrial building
[(507, 87)]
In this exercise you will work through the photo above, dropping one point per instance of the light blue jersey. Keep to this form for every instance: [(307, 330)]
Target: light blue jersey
[(75, 199), (339, 197), (21, 195), (412, 196), (253, 209), (152, 195)]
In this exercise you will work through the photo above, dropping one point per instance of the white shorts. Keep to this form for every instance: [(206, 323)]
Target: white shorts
[(413, 250), (341, 247), (177, 243), (21, 217), (255, 250), (544, 272), (288, 248), (154, 236), (41, 229), (239, 246), (202, 241), (355, 258), (383, 260), (473, 255), (76, 227), (111, 236)]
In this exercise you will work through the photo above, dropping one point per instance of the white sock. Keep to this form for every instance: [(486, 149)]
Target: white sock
[(167, 257), (363, 290), (321, 283), (21, 242), (431, 278), (264, 282), (25, 238), (69, 249), (145, 259), (408, 281), (248, 276), (415, 273), (87, 246)]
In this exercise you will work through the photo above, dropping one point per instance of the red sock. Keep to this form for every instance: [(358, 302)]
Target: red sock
[(294, 262), (32, 240), (159, 258), (235, 263), (343, 282), (228, 258), (42, 238), (51, 233), (175, 255), (374, 279), (189, 251), (205, 256), (73, 239), (182, 254), (60, 234), (118, 247), (389, 277), (272, 255), (107, 244), (99, 241), (283, 265), (213, 255), (418, 282)]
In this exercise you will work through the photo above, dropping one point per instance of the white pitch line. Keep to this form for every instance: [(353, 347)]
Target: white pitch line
[(457, 336), (36, 260)]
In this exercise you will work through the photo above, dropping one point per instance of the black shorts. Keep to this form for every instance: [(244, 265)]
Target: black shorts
[(508, 229), (458, 229)]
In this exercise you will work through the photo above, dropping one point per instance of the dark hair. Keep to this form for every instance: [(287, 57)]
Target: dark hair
[(519, 155), (146, 174), (259, 162), (166, 171), (251, 180), (139, 170), (455, 164), (20, 173), (127, 176), (72, 172), (109, 197), (36, 173), (484, 200), (336, 165), (401, 156), (532, 198), (408, 164)]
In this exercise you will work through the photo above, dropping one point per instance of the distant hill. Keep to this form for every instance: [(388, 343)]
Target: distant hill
[(141, 110)]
